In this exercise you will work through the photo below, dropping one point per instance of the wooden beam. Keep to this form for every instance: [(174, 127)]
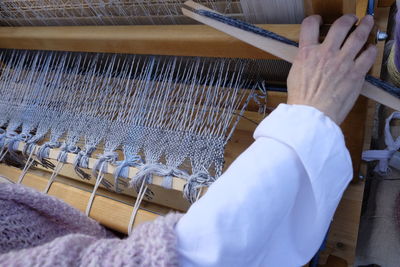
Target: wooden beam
[(362, 6), (329, 10), (349, 6), (177, 40), (386, 3)]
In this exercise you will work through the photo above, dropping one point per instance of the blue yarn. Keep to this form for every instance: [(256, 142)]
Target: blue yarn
[(393, 90), (246, 26), (44, 150), (371, 7)]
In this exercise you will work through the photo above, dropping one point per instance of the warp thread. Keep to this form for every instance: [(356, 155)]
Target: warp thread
[(385, 155), (165, 117), (194, 183), (31, 143), (12, 146), (44, 150), (147, 171), (65, 149), (82, 161), (122, 169), (12, 141), (101, 165), (9, 137), (2, 137)]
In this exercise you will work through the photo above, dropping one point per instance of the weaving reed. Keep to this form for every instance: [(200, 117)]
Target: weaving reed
[(139, 12)]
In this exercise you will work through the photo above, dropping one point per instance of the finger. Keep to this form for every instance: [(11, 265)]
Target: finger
[(365, 61), (358, 38), (339, 31), (309, 33)]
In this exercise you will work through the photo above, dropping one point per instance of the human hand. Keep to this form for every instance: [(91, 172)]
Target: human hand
[(330, 76)]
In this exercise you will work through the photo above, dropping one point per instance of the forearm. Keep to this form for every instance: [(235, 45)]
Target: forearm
[(274, 204)]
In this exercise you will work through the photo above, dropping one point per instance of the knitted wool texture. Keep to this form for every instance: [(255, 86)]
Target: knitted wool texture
[(40, 230)]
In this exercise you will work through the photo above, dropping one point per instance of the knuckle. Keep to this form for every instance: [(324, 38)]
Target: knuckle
[(349, 18), (311, 20), (328, 52), (304, 52), (356, 74), (360, 35), (345, 21)]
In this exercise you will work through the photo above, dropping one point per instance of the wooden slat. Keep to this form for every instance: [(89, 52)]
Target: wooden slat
[(328, 9), (386, 3), (177, 40), (177, 183), (362, 6), (349, 6)]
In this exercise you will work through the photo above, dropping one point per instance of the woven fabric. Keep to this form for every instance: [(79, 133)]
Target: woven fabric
[(40, 230), (29, 218)]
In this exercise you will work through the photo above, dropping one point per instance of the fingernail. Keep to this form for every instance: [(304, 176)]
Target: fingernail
[(355, 16)]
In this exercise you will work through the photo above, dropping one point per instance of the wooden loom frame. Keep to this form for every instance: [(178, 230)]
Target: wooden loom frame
[(188, 40)]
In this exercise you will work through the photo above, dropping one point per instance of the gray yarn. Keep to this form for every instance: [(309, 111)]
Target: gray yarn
[(2, 137), (82, 161), (64, 150), (122, 169), (146, 172), (110, 12), (171, 116), (107, 157), (44, 150), (195, 182)]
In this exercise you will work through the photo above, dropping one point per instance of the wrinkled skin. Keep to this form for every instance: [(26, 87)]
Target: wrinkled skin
[(329, 75)]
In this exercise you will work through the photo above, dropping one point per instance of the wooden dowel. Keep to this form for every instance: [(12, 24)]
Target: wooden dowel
[(177, 40), (177, 183), (386, 3)]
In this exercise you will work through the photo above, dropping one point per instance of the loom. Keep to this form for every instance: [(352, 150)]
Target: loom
[(108, 103)]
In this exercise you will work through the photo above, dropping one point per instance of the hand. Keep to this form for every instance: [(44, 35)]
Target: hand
[(330, 76)]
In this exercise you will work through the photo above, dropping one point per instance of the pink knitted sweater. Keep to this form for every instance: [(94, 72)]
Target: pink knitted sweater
[(40, 230)]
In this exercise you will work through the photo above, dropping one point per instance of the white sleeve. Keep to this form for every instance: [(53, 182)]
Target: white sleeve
[(274, 204)]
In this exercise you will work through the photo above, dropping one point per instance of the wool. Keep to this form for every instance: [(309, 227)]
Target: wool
[(40, 230), (397, 42), (393, 63)]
